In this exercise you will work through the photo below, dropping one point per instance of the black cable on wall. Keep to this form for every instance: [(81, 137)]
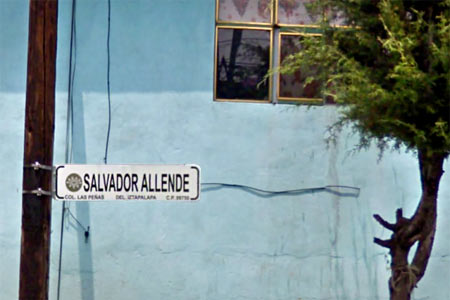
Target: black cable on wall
[(69, 129), (108, 53)]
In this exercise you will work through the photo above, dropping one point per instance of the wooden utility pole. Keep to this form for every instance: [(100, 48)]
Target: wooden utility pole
[(39, 129)]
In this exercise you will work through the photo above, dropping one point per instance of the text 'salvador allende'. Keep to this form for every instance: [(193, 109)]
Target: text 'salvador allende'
[(113, 182)]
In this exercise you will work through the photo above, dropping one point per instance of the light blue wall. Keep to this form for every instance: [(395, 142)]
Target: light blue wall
[(13, 51), (231, 244)]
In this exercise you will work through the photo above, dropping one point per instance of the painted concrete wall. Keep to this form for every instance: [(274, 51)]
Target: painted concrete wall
[(13, 51), (231, 244)]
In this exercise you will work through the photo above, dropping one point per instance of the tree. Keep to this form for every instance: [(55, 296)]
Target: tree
[(390, 69)]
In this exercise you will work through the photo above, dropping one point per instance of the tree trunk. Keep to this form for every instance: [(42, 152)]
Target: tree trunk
[(420, 228)]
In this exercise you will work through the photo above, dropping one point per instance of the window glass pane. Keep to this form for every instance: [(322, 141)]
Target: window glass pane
[(244, 11), (243, 59), (295, 12), (298, 12), (292, 86), (336, 18)]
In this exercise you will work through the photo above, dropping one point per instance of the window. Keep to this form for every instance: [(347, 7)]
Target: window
[(243, 57), (252, 36), (292, 87)]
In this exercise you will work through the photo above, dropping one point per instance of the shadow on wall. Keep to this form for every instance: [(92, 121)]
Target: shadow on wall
[(82, 210)]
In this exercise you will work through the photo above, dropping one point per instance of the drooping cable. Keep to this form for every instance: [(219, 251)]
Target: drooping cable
[(107, 81), (341, 190), (69, 129), (85, 229)]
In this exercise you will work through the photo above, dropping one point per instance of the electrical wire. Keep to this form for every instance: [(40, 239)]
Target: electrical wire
[(334, 189), (107, 81), (69, 129), (76, 220)]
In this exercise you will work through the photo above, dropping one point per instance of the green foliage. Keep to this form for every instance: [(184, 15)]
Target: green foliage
[(390, 68)]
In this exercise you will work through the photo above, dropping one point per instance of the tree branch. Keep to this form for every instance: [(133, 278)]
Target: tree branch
[(383, 243), (414, 239), (399, 216), (423, 252), (384, 223)]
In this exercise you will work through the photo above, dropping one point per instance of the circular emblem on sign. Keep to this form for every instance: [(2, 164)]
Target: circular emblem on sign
[(73, 182)]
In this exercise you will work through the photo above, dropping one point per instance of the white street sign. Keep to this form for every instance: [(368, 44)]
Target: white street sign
[(127, 182)]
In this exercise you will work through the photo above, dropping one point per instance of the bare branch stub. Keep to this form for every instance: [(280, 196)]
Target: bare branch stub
[(404, 231), (384, 223), (383, 243)]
